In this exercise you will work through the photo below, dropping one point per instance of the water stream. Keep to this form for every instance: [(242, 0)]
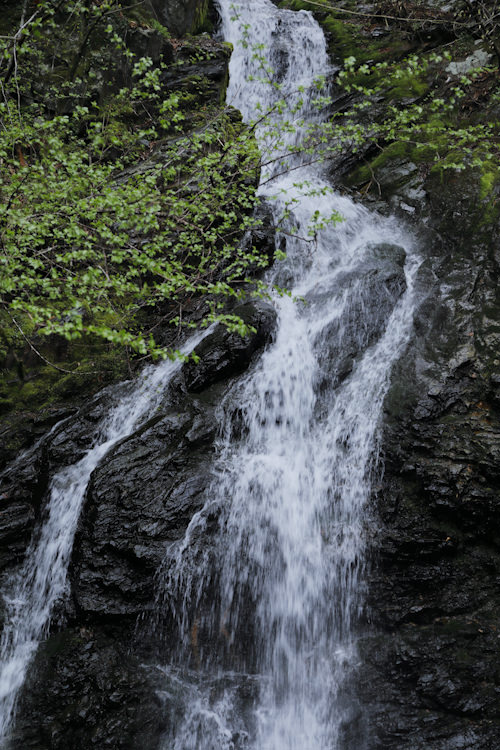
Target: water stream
[(41, 581), (264, 611), (262, 598)]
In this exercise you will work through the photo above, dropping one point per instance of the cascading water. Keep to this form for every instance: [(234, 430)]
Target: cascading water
[(263, 610), (265, 590), (41, 581)]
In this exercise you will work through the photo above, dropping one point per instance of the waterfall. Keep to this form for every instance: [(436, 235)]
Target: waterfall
[(263, 611), (41, 581), (261, 600)]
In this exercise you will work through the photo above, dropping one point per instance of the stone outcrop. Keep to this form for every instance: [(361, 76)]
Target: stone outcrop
[(87, 686), (86, 690), (434, 594), (430, 679)]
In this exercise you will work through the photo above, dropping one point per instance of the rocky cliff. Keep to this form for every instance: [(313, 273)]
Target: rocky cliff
[(430, 671), (434, 595)]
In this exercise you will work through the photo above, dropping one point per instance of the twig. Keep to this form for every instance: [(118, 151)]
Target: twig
[(335, 9), (44, 359)]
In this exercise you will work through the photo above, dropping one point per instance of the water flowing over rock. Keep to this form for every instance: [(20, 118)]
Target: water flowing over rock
[(266, 584), (257, 538), (210, 558), (35, 589)]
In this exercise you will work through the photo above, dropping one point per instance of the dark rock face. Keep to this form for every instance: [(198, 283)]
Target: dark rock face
[(181, 16), (143, 495), (431, 671), (203, 80), (84, 690), (87, 687), (22, 488), (371, 299), (141, 498), (24, 483), (224, 353)]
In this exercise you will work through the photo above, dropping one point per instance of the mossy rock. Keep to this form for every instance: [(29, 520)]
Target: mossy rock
[(351, 35), (28, 381)]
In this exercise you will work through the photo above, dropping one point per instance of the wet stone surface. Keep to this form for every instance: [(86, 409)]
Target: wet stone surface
[(86, 687), (432, 677)]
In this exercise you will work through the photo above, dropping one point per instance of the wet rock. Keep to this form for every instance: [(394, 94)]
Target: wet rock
[(21, 431), (223, 353), (87, 690), (70, 440), (431, 679), (437, 666), (141, 498), (143, 495), (22, 487), (262, 238), (370, 299)]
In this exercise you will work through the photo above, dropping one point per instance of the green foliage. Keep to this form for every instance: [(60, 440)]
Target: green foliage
[(86, 243), (117, 198), (428, 123), (416, 104), (114, 206)]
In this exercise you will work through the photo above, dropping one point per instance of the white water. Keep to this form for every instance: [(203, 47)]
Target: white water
[(41, 581), (267, 607), (264, 612)]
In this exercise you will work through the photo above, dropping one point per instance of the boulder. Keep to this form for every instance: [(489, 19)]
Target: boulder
[(224, 353), (140, 499), (373, 293)]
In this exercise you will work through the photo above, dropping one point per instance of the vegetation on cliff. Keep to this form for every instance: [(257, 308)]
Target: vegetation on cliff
[(421, 81), (125, 188), (89, 238)]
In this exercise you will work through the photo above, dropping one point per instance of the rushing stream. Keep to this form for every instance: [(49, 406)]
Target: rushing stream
[(41, 581), (263, 596), (266, 607)]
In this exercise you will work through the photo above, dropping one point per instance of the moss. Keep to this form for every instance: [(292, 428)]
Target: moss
[(365, 173), (27, 382), (202, 21), (344, 40), (49, 387), (159, 28), (422, 153), (139, 14), (488, 181), (347, 36), (409, 86)]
